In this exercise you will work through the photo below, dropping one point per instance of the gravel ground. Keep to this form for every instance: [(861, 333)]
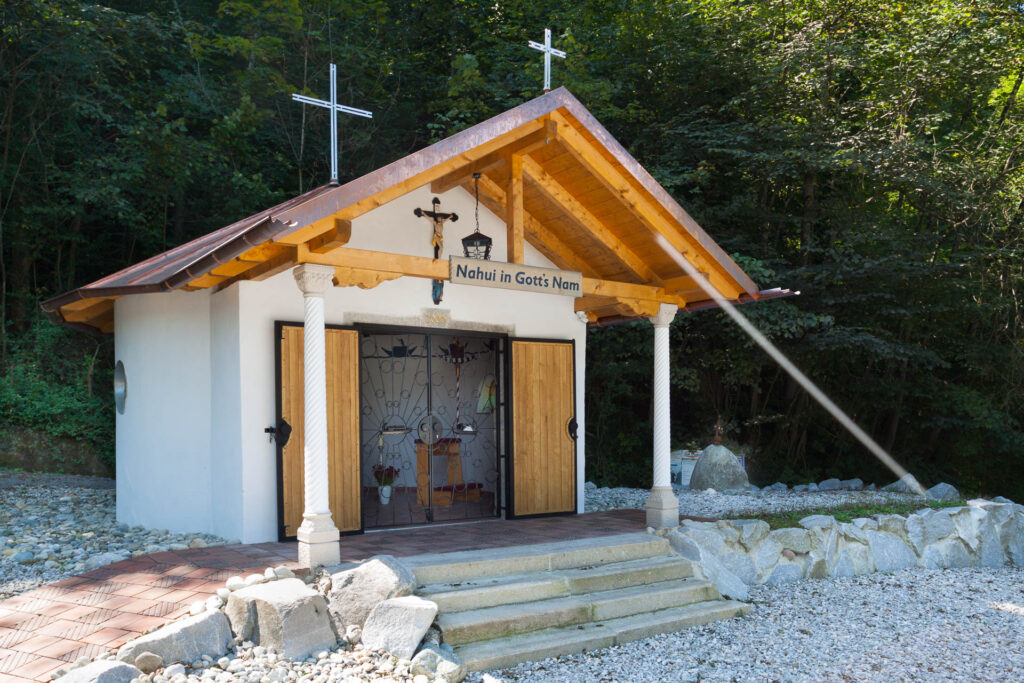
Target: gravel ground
[(56, 526), (730, 505), (913, 625)]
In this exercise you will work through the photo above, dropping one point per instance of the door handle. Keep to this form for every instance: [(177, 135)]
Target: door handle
[(572, 428)]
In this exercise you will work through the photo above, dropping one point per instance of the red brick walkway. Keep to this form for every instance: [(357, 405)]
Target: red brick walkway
[(84, 616)]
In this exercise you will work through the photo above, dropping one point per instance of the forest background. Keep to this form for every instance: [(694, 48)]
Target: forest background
[(867, 153)]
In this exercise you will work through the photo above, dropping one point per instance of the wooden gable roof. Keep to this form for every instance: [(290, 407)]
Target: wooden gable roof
[(564, 184)]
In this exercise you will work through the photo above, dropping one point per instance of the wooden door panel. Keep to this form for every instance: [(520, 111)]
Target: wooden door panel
[(342, 358), (543, 403)]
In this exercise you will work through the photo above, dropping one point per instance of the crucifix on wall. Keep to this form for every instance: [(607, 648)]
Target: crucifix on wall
[(334, 108), (546, 48), (437, 240)]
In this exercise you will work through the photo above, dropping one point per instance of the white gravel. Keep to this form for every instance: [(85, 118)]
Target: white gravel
[(718, 505), (56, 526), (913, 625)]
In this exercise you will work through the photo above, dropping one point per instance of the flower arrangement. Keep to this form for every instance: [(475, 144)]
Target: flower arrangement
[(385, 476)]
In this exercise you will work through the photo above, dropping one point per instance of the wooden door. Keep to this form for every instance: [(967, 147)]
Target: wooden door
[(342, 354), (543, 428)]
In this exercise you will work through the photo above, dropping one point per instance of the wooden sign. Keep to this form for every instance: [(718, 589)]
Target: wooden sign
[(467, 271)]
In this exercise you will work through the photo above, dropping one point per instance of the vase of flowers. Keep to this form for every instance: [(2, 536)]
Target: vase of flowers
[(385, 476)]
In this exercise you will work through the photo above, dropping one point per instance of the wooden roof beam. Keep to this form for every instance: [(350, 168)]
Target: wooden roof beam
[(602, 169), (96, 308), (514, 210), (497, 159), (575, 209), (557, 251)]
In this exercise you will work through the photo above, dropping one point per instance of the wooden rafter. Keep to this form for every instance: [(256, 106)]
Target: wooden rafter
[(82, 315), (361, 277), (496, 159), (335, 237), (514, 209), (602, 169), (553, 248), (581, 215)]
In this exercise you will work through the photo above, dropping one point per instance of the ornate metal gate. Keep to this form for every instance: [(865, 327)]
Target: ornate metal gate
[(430, 425)]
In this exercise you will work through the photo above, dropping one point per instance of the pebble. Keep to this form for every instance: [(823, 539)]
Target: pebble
[(913, 625), (55, 526)]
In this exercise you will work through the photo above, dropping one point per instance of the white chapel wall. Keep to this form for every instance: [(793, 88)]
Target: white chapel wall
[(163, 437), (392, 228)]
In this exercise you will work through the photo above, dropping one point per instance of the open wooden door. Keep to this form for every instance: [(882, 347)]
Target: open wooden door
[(342, 352), (543, 428)]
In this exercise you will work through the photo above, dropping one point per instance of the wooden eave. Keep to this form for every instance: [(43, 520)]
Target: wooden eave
[(558, 177)]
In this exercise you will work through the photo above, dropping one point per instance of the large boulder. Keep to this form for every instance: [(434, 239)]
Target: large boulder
[(943, 492), (102, 671), (925, 527), (286, 615), (890, 552), (185, 640), (906, 484), (830, 485), (794, 538), (398, 625), (728, 584), (438, 661), (718, 468), (355, 592)]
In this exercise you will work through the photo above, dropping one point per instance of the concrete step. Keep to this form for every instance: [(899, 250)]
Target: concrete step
[(439, 568), (488, 623), (493, 591), (553, 642)]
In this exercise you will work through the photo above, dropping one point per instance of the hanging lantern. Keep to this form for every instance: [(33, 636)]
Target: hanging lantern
[(477, 245)]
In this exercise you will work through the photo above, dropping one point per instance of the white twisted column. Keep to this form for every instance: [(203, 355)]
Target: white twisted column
[(662, 505), (317, 535)]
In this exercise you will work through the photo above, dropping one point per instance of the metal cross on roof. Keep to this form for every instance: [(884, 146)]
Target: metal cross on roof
[(335, 108), (548, 51)]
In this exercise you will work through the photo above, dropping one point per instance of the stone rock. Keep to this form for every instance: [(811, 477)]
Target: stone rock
[(906, 484), (947, 553), (285, 615), (777, 486), (925, 527), (284, 572), (841, 564), (235, 583), (990, 548), (830, 485), (185, 640), (1000, 499), (718, 468), (1013, 538), (438, 660), (893, 524), (866, 524), (728, 532), (812, 521), (397, 625), (355, 592), (871, 487), (97, 561), (853, 533), (968, 522), (25, 557), (751, 531), (798, 540), (728, 583), (353, 634), (852, 484), (943, 492), (102, 671), (196, 543), (148, 662), (174, 670), (784, 572), (767, 554), (817, 568), (860, 557), (800, 488), (812, 487), (890, 552)]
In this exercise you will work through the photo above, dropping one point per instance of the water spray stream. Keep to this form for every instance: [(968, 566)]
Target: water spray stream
[(787, 365)]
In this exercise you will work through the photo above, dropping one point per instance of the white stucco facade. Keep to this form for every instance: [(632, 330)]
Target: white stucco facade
[(192, 454)]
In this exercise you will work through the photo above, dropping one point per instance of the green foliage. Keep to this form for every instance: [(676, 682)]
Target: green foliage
[(58, 384), (851, 511)]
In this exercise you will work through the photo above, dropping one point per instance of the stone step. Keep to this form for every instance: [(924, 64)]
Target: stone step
[(554, 642), (493, 591), (512, 619), (435, 568)]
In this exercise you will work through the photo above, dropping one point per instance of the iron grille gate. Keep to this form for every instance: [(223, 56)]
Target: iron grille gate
[(430, 427)]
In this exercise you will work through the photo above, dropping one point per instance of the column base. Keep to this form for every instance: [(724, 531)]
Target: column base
[(318, 541), (662, 508)]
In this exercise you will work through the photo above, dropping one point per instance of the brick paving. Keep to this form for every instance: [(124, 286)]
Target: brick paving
[(84, 616)]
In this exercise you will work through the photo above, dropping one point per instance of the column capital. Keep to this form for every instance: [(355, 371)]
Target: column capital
[(666, 313), (313, 279)]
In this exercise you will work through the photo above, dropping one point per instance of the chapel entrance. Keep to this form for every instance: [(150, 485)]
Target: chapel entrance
[(430, 426)]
